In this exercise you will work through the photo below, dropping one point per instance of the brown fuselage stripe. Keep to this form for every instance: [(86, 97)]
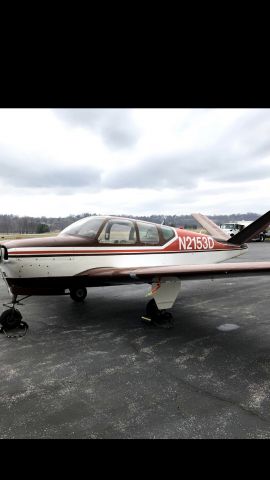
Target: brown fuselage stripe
[(88, 254)]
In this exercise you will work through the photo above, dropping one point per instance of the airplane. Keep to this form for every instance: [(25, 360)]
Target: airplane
[(110, 250)]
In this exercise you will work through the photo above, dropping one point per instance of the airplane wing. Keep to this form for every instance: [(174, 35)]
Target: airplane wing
[(185, 272), (210, 226)]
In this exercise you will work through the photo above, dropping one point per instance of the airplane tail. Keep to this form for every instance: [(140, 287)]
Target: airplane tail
[(251, 230), (241, 237)]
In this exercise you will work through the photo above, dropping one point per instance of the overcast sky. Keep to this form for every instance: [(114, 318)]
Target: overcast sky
[(56, 162)]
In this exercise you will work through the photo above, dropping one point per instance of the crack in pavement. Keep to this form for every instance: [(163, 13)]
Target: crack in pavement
[(212, 395)]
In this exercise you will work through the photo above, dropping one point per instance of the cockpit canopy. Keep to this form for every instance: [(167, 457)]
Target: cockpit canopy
[(86, 227), (117, 230)]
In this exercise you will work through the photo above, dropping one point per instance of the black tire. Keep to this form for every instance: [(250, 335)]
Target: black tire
[(152, 310), (166, 315), (11, 319), (262, 238), (78, 294), (159, 318)]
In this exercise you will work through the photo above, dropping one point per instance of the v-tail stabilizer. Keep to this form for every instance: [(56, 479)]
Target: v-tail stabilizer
[(251, 230), (211, 227)]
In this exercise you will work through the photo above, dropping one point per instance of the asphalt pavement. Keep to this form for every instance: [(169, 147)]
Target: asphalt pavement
[(95, 370)]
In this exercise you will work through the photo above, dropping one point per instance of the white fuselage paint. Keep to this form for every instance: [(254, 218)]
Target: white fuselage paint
[(54, 265)]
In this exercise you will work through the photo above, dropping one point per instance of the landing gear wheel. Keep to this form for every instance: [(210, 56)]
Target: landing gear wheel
[(78, 294), (152, 309), (11, 319), (159, 318), (164, 319)]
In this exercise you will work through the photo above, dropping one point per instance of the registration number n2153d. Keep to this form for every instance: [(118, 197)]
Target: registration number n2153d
[(195, 243)]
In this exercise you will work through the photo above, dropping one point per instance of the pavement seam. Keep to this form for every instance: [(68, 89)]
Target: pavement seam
[(221, 399)]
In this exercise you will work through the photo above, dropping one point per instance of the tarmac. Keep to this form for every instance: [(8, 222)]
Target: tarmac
[(95, 370)]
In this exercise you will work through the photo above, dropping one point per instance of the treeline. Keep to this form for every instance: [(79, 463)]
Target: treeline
[(187, 221), (16, 224)]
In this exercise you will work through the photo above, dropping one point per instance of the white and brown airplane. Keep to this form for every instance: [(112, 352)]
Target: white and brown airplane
[(107, 250)]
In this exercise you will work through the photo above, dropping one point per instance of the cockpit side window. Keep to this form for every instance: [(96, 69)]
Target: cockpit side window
[(118, 232), (167, 232), (148, 233)]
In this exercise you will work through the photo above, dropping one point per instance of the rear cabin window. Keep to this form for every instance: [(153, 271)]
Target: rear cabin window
[(118, 231), (167, 232), (148, 233)]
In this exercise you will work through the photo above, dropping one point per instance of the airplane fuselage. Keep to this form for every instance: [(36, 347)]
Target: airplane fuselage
[(54, 264)]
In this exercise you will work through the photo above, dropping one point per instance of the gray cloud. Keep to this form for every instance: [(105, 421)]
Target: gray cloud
[(251, 133), (238, 152), (238, 156), (185, 171), (235, 157), (156, 172), (243, 173), (35, 173), (114, 125)]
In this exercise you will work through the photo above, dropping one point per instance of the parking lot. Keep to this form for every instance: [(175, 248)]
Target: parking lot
[(94, 370)]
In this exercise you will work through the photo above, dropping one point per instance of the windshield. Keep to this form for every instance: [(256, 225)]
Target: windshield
[(86, 227)]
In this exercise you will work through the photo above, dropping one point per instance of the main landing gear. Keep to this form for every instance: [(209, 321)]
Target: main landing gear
[(78, 294), (165, 292), (11, 319), (159, 318)]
